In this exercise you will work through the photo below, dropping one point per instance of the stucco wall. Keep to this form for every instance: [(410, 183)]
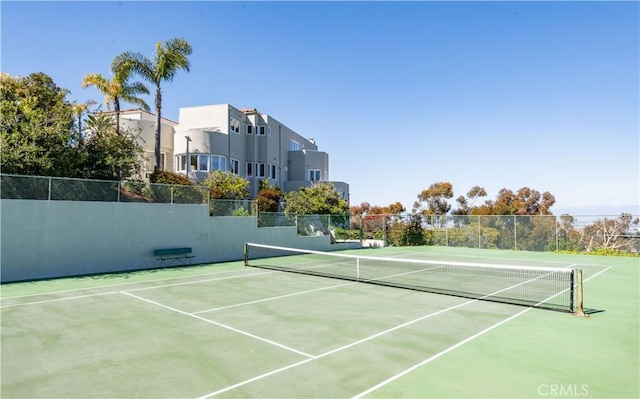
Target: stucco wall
[(42, 239)]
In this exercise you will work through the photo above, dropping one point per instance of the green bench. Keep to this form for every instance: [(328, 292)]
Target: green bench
[(170, 256)]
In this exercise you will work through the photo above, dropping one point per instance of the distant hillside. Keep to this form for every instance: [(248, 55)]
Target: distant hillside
[(605, 210)]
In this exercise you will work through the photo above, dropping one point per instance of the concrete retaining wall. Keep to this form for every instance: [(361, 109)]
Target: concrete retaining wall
[(43, 239)]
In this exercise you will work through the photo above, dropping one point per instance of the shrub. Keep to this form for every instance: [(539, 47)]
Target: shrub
[(164, 193), (166, 177)]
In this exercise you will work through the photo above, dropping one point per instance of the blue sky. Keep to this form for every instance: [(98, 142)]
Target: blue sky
[(400, 94)]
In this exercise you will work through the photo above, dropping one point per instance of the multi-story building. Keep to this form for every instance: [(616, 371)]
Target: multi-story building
[(245, 142), (143, 125)]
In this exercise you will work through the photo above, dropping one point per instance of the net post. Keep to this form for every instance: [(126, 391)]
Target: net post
[(579, 310), (358, 269), (246, 254)]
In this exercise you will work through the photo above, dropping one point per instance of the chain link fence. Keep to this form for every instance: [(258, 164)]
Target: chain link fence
[(66, 189), (309, 225), (608, 234), (605, 234), (243, 207)]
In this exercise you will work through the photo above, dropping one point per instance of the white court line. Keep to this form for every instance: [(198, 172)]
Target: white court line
[(121, 284), (449, 349), (259, 377), (58, 299), (118, 285), (272, 298), (304, 292), (220, 325), (492, 259), (239, 275), (439, 354), (199, 281)]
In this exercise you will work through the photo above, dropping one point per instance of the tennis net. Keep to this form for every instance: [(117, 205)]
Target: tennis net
[(557, 289)]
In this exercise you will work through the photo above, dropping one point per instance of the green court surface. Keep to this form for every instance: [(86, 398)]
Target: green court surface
[(230, 331)]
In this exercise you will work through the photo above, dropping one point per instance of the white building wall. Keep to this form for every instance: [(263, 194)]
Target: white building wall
[(207, 117), (143, 125), (222, 130)]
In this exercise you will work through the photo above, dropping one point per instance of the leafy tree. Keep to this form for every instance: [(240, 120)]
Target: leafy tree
[(105, 155), (168, 59), (268, 197), (361, 209), (434, 200), (118, 88), (539, 234), (568, 236), (375, 220), (79, 109), (226, 185), (392, 209), (38, 135), (36, 127), (319, 199), (610, 234), (525, 201), (396, 208), (466, 204), (409, 233)]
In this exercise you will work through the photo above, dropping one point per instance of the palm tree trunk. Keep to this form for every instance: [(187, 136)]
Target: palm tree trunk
[(158, 127), (116, 107)]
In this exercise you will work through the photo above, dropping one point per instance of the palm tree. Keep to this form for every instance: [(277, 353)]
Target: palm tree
[(167, 60), (118, 88), (79, 109)]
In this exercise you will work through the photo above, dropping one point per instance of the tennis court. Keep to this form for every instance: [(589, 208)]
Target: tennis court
[(229, 331)]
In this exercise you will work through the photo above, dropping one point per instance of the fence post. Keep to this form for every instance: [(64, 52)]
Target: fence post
[(557, 238), (49, 197), (446, 231), (384, 229), (479, 234), (515, 233), (119, 188)]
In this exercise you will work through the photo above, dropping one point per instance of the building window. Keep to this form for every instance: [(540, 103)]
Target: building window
[(197, 162), (181, 162), (249, 169), (260, 169), (273, 171), (314, 174), (235, 165), (261, 130), (294, 146), (234, 124), (249, 129), (203, 162), (151, 161), (219, 162)]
